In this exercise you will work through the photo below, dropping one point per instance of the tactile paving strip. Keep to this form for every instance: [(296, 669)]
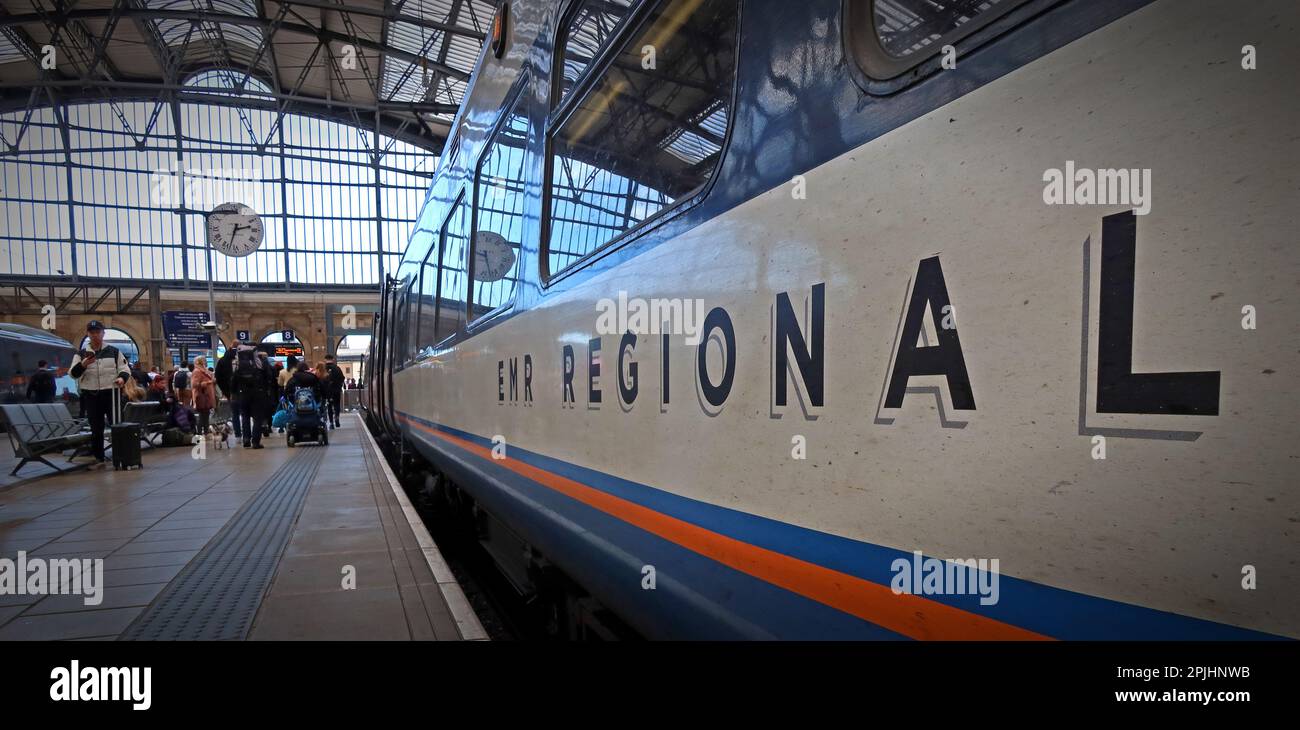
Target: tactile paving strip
[(217, 594)]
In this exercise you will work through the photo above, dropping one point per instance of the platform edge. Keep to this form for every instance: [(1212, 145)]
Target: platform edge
[(467, 622)]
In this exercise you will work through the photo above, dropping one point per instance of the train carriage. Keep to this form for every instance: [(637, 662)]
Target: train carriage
[(867, 319)]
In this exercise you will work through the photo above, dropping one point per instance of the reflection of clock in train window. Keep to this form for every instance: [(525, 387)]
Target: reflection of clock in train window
[(493, 256), (234, 229)]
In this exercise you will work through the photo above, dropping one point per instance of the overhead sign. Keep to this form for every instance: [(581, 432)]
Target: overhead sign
[(288, 336), (243, 335), (185, 329)]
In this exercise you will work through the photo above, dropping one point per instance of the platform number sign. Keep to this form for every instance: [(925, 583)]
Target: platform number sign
[(287, 335), (243, 335)]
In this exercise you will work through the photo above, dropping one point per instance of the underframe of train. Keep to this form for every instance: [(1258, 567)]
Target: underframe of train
[(541, 600)]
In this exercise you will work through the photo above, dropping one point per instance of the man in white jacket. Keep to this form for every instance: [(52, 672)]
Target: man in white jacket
[(98, 370)]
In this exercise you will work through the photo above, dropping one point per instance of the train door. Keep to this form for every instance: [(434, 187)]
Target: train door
[(381, 378), (396, 300)]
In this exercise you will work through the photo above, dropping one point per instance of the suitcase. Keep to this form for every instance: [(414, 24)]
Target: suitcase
[(125, 438), (126, 446)]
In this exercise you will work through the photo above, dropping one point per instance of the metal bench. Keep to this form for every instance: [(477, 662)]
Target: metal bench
[(37, 429), (152, 419)]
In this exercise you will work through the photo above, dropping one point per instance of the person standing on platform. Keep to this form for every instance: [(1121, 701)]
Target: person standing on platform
[(272, 392), (225, 371), (250, 380), (139, 375), (40, 389), (333, 388), (181, 384), (204, 389), (98, 370), (290, 367), (279, 378)]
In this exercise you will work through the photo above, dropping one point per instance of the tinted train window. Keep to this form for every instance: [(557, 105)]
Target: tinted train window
[(890, 37), (428, 316), (499, 200), (410, 320), (590, 26), (647, 133), (454, 279)]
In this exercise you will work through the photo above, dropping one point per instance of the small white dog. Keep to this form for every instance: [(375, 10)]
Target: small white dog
[(221, 434)]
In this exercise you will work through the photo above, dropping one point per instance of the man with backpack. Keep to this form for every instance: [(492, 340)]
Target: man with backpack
[(272, 392), (225, 371), (40, 389), (181, 383), (333, 389), (250, 380)]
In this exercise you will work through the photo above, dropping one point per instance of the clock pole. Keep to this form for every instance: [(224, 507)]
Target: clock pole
[(212, 306)]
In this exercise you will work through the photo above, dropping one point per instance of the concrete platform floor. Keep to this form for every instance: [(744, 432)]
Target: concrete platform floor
[(148, 524)]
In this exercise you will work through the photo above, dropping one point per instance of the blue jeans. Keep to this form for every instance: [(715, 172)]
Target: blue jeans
[(236, 411)]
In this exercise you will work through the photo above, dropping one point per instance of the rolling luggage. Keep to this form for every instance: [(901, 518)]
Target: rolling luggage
[(125, 438)]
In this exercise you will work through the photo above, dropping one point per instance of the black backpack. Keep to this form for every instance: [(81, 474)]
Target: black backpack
[(182, 379), (247, 377)]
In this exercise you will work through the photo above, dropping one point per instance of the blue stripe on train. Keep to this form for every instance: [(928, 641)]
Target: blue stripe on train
[(1051, 611), (695, 597)]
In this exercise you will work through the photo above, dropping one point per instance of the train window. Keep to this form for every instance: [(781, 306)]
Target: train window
[(428, 298), (453, 279), (891, 37), (590, 26), (499, 198), (412, 314), (647, 133)]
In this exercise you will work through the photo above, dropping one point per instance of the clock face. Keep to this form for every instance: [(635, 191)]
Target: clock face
[(234, 229), (493, 256)]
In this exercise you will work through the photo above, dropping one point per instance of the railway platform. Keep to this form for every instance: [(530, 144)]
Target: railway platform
[(305, 543)]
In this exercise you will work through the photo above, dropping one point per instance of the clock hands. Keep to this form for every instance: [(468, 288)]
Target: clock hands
[(236, 229)]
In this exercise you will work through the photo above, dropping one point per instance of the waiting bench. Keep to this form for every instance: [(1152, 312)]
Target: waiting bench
[(37, 429), (152, 419)]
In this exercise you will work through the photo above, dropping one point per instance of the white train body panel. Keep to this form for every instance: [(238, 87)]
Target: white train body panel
[(1179, 507)]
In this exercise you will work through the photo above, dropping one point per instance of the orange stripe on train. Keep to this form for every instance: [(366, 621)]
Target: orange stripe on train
[(912, 616)]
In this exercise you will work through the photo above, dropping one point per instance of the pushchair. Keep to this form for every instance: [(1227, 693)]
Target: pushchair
[(305, 425)]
